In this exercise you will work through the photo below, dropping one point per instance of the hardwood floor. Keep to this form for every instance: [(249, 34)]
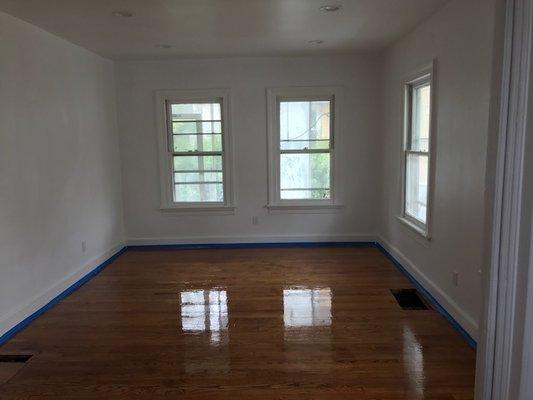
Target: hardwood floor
[(313, 323)]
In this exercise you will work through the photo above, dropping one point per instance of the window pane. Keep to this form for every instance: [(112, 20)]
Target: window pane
[(188, 177), (421, 108), (304, 176), (196, 111), (304, 125), (416, 186), (197, 143), (185, 127), (199, 192), (191, 171), (197, 163)]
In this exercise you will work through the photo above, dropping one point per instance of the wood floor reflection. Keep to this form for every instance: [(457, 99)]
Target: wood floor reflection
[(316, 323)]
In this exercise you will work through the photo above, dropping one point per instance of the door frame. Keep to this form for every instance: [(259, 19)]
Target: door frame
[(500, 355)]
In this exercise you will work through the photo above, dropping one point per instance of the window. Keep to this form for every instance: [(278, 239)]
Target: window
[(417, 154), (194, 147), (301, 140)]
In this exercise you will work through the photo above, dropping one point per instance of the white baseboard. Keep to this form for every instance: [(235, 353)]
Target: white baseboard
[(250, 239), (463, 318), (18, 315)]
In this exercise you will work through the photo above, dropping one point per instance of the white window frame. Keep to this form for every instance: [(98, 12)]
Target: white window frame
[(274, 96), (421, 76), (163, 99)]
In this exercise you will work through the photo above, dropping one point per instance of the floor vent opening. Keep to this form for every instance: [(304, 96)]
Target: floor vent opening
[(14, 358), (409, 299)]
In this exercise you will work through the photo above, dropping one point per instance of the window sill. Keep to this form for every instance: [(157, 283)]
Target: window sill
[(415, 228), (199, 210), (304, 208)]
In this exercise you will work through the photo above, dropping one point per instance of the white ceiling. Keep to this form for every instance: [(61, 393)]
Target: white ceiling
[(211, 28)]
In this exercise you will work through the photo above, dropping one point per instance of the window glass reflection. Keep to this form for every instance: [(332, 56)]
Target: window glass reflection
[(306, 307), (413, 354), (205, 311)]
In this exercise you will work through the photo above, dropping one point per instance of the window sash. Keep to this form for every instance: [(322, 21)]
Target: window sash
[(195, 153), (303, 99), (305, 151), (407, 189), (411, 88)]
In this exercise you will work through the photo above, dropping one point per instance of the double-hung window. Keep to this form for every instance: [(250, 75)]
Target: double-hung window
[(195, 149), (302, 130), (417, 151)]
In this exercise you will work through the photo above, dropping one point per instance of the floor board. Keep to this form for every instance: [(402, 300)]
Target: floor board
[(313, 323)]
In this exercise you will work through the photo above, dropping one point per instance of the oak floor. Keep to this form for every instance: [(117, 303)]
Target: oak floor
[(308, 323)]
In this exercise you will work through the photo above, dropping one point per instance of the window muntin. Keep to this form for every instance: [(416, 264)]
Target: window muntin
[(417, 150), (196, 145), (305, 146)]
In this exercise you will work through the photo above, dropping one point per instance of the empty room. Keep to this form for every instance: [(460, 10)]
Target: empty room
[(266, 199)]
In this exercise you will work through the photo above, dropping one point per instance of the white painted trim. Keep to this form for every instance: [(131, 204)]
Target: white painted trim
[(165, 159), (526, 388), (461, 316), (414, 227), (252, 239), (495, 375), (305, 209), (304, 92), (12, 318), (199, 210)]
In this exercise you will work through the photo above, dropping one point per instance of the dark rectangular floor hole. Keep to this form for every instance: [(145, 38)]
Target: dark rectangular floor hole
[(14, 358), (409, 299)]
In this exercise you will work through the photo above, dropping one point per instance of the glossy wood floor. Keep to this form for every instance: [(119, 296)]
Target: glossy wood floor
[(315, 323)]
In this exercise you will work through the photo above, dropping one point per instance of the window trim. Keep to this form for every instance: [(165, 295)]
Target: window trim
[(274, 95), (421, 76), (162, 100)]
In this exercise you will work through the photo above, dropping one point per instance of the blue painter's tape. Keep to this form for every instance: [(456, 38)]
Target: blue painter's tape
[(470, 340), (26, 321)]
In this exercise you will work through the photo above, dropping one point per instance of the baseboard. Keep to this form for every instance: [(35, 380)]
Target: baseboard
[(246, 241), (443, 303), (20, 318)]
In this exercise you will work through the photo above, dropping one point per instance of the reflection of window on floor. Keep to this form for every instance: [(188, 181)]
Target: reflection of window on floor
[(205, 311), (306, 307)]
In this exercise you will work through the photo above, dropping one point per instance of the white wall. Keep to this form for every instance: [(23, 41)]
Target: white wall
[(59, 166), (248, 78), (460, 37)]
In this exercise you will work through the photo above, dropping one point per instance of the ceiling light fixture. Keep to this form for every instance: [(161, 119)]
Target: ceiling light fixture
[(330, 8), (316, 41), (163, 46), (122, 14)]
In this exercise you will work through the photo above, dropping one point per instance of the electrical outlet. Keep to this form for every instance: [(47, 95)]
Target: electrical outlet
[(255, 220), (455, 278), (83, 246)]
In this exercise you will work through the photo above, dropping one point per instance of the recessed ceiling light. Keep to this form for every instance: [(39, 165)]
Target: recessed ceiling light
[(316, 42), (123, 14), (163, 46), (330, 8)]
